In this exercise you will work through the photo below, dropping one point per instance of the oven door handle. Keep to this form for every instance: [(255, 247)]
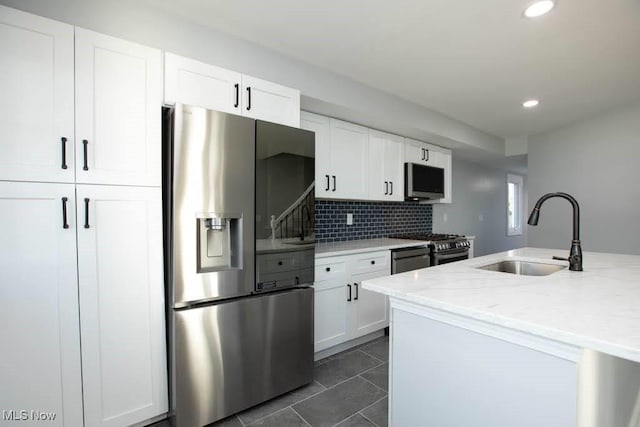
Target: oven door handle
[(452, 255)]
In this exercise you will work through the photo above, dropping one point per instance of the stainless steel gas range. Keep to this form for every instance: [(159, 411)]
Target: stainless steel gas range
[(443, 248)]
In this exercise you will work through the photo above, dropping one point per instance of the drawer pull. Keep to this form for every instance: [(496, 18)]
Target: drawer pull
[(279, 262), (373, 261), (327, 269)]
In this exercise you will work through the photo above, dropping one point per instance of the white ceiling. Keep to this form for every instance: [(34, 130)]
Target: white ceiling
[(473, 60)]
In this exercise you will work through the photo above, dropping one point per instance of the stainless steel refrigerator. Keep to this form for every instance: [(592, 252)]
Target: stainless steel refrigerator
[(240, 321)]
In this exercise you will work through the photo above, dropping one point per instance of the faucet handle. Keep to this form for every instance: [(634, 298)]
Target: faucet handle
[(559, 258)]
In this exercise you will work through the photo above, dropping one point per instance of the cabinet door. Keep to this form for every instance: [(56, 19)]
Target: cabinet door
[(421, 153), (349, 157), (36, 113), (371, 308), (121, 304), (268, 101), (331, 316), (394, 167), (188, 81), (385, 166), (40, 357), (118, 101), (320, 126)]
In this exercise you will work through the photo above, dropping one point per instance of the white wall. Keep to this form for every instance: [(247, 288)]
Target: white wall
[(479, 208), (323, 92), (598, 162)]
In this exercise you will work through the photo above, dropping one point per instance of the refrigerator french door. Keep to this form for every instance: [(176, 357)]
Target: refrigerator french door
[(231, 346)]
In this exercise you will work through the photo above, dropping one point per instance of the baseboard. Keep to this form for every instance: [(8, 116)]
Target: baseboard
[(347, 345)]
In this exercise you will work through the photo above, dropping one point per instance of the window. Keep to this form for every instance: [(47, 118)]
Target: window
[(514, 205)]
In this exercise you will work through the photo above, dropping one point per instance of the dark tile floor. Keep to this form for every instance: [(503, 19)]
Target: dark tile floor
[(349, 390)]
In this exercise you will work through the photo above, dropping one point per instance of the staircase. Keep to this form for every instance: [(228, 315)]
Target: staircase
[(296, 218)]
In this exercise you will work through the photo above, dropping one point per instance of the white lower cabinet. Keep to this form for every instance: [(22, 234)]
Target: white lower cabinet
[(121, 304), (343, 310), (331, 314), (103, 288), (40, 356), (371, 308)]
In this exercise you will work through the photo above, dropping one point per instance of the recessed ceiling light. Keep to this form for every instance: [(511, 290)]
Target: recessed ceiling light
[(539, 8), (530, 103)]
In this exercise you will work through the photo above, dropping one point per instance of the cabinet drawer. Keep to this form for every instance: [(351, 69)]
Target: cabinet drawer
[(279, 262), (372, 261), (284, 261), (327, 269)]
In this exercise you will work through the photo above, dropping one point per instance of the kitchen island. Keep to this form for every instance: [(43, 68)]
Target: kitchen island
[(476, 347)]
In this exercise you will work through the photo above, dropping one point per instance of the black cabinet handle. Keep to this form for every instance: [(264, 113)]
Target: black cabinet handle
[(65, 224), (386, 188), (422, 153), (356, 286), (64, 152), (237, 87), (327, 189), (327, 269), (248, 99), (391, 192), (334, 183), (349, 299), (426, 155), (86, 213), (279, 262), (85, 150), (373, 261)]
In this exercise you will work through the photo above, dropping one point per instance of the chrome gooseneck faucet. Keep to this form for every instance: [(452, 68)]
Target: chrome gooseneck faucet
[(575, 255)]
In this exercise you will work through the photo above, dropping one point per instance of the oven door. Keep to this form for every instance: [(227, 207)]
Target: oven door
[(452, 256)]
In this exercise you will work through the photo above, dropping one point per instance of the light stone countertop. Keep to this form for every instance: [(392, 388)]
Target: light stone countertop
[(598, 308), (324, 250)]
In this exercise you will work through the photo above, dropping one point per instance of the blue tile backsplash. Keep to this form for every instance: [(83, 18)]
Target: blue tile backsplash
[(371, 220)]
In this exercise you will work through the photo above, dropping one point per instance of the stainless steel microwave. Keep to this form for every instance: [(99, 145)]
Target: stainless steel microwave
[(423, 182)]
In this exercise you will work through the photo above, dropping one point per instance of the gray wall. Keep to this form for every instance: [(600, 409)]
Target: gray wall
[(323, 92), (598, 162), (479, 208)]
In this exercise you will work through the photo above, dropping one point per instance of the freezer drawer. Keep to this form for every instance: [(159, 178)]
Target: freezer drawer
[(233, 355)]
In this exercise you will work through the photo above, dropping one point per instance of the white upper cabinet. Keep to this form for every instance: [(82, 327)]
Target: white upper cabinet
[(341, 157), (121, 304), (40, 357), (385, 166), (349, 151), (321, 127), (446, 163), (188, 81), (118, 99), (421, 153), (36, 113), (357, 163), (192, 82), (431, 155), (271, 102)]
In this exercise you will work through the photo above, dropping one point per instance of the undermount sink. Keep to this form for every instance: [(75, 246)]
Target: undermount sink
[(524, 268), (301, 242)]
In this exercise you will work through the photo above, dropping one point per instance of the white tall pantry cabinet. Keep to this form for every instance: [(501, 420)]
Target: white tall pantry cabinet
[(82, 282)]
